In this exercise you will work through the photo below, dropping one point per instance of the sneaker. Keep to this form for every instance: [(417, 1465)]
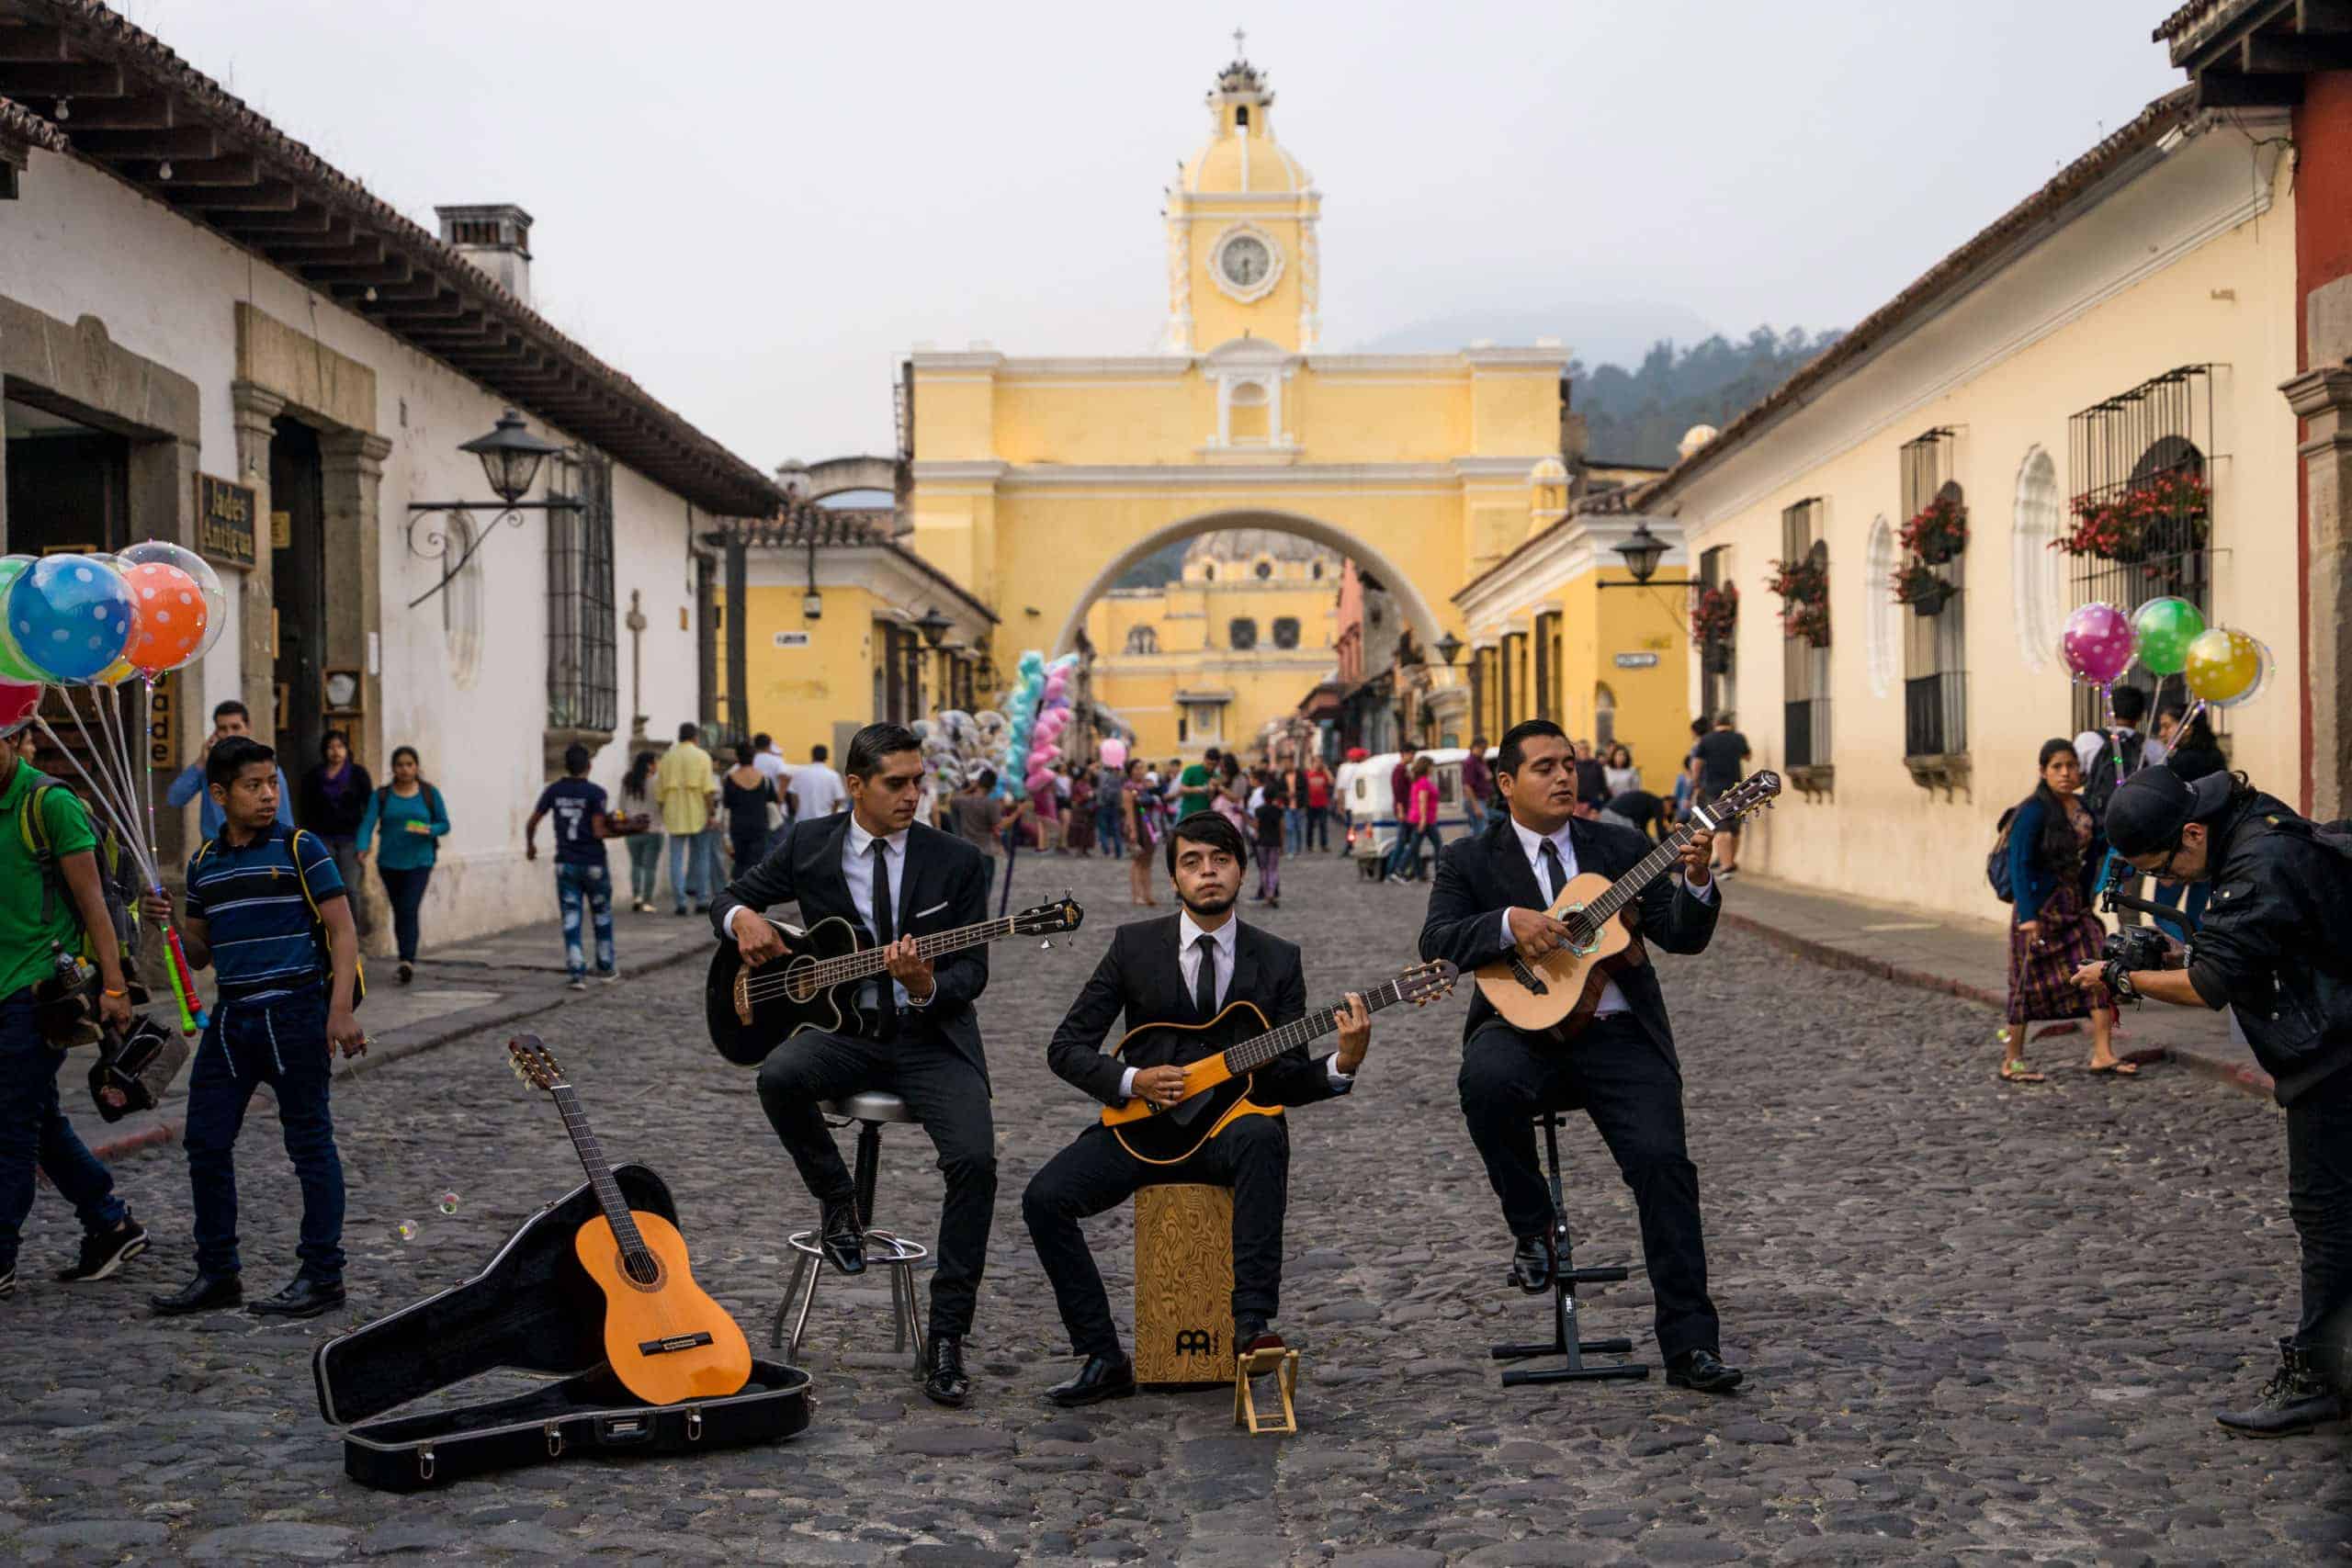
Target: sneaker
[(408, 973), (610, 976), (106, 1252), (577, 983)]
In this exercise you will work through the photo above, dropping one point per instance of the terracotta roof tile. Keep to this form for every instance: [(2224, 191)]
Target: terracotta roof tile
[(22, 125)]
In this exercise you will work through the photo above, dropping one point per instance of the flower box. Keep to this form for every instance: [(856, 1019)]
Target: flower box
[(1940, 532), (2165, 514)]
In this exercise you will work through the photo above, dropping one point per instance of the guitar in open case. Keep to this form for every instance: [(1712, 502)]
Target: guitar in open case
[(533, 1308)]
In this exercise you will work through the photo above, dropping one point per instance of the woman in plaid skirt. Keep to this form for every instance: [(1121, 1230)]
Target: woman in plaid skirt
[(2055, 850)]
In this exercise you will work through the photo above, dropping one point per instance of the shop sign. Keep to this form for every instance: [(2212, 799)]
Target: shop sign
[(225, 521), (792, 640), (1636, 660)]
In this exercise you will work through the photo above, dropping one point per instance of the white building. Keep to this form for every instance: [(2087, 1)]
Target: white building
[(199, 317)]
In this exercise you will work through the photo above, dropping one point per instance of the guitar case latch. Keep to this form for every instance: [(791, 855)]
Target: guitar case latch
[(554, 1431), (693, 1425)]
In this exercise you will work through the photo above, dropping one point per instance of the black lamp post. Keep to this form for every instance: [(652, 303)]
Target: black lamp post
[(1642, 550), (510, 457), (934, 627), (1449, 647)]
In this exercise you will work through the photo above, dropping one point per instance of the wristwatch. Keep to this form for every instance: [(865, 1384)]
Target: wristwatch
[(2117, 980)]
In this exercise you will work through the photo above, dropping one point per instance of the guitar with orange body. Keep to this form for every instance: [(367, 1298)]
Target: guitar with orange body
[(666, 1340)]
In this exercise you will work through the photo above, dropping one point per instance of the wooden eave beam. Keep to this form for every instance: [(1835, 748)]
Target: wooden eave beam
[(2276, 54), (68, 79), (31, 44), (336, 239), (2322, 18), (191, 141), (235, 172), (140, 111), (276, 196), (2228, 90), (305, 225)]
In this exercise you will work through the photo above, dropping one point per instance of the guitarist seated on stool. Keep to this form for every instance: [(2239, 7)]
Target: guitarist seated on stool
[(876, 866), (1489, 899), (1182, 968)]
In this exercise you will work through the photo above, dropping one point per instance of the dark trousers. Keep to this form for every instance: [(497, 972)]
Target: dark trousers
[(1096, 1173), (1318, 828), (947, 1094), (406, 890), (1634, 1097), (33, 1131), (281, 1043), (2319, 1196)]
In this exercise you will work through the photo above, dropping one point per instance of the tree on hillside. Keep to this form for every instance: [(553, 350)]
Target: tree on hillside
[(1639, 415)]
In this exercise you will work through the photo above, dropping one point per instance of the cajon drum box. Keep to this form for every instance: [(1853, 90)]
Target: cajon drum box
[(1183, 1285)]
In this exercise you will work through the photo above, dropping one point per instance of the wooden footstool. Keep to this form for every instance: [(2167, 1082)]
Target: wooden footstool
[(1183, 1286)]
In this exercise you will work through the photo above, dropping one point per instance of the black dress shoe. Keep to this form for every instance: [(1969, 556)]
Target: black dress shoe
[(1532, 1263), (842, 1237), (944, 1380), (1703, 1371), (1102, 1378), (2297, 1399), (305, 1297), (203, 1293)]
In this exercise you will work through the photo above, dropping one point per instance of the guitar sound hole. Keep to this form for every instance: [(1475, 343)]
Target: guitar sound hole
[(799, 979), (644, 1270)]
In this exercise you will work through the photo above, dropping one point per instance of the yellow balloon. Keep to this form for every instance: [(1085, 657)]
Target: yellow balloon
[(114, 674), (2225, 667)]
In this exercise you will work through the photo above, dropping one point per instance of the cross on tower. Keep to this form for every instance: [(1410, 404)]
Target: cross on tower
[(1239, 52)]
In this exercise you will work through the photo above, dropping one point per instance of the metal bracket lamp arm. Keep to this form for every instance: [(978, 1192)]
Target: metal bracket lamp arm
[(433, 544)]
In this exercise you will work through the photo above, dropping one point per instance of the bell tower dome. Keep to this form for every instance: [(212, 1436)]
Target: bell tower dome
[(1242, 258)]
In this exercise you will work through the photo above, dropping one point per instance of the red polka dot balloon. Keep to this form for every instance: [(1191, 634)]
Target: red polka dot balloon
[(167, 618)]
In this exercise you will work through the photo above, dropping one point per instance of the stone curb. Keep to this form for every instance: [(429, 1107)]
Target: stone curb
[(513, 1009), (2233, 1074)]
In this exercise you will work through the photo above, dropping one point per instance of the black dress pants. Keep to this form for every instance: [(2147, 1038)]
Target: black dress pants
[(1096, 1173), (1634, 1097), (947, 1094), (2319, 1196)]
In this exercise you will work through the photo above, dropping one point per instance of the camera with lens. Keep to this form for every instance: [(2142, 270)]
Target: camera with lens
[(2137, 948)]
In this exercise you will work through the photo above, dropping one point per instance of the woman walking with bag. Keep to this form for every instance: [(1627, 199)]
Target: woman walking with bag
[(644, 845), (409, 813), (2054, 851)]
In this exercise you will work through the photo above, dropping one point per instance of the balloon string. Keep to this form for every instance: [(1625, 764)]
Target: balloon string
[(104, 798), (110, 795), (117, 756)]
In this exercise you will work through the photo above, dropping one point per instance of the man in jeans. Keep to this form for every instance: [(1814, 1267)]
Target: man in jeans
[(1477, 784), (688, 793), (266, 911), (583, 879), (49, 897)]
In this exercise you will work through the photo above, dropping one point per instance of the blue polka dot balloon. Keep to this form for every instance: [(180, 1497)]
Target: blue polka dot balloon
[(70, 616)]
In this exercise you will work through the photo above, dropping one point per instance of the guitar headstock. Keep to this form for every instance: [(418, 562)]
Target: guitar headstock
[(534, 1063), (1754, 793), (1425, 982), (1062, 914)]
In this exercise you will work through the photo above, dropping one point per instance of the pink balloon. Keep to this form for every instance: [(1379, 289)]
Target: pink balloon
[(17, 705), (2098, 644), (1114, 752), (1039, 781)]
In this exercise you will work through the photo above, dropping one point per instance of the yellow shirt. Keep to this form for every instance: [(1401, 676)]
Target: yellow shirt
[(682, 785)]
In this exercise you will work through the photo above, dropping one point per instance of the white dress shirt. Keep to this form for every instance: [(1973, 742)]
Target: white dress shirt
[(857, 871), (1530, 844), (1226, 938)]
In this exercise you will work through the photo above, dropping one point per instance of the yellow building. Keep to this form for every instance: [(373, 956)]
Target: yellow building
[(1207, 658), (1037, 483), (2118, 336)]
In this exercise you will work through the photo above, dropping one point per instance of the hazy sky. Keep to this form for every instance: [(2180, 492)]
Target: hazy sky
[(755, 207)]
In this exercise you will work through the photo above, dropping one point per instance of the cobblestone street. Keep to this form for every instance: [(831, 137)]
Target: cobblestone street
[(1980, 1323)]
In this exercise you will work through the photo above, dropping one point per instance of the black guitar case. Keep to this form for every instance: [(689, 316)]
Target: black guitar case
[(532, 1308)]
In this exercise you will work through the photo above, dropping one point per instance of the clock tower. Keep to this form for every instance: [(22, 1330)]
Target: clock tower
[(1242, 260)]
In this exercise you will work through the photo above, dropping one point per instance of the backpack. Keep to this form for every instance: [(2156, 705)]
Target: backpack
[(113, 867), (2115, 764), (1996, 865), (318, 923)]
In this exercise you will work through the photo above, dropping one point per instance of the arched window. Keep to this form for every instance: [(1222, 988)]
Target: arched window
[(1241, 632), (1286, 631), (1314, 571), (1604, 719), (1265, 569), (1208, 572), (1143, 639), (2036, 572), (1246, 412), (1880, 625)]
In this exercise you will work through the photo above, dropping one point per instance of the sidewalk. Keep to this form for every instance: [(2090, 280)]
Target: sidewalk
[(1967, 958), (489, 981)]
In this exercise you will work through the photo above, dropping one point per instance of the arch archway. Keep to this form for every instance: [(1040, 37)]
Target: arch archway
[(1418, 613), (2036, 577), (1881, 625)]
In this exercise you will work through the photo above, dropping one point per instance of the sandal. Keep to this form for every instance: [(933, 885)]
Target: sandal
[(2014, 1069), (2117, 1068)]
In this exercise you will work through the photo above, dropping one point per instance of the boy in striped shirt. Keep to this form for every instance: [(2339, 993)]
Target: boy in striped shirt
[(258, 897)]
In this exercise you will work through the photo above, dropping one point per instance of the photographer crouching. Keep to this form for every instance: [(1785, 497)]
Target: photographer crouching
[(2276, 947)]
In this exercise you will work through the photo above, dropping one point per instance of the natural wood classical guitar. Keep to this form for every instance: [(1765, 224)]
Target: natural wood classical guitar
[(1561, 989), (1220, 1058), (666, 1340)]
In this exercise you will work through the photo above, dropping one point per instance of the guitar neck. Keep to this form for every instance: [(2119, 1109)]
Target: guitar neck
[(867, 961), (600, 1172), (1255, 1053), (1650, 867)]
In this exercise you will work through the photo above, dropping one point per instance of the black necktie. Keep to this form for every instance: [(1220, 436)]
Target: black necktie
[(1555, 875), (1204, 983), (885, 933)]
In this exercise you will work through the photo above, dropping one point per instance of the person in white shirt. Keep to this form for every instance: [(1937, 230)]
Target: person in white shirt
[(817, 787), (2138, 751)]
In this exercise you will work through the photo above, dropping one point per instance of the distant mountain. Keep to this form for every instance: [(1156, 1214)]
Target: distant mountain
[(1640, 415), (1600, 335)]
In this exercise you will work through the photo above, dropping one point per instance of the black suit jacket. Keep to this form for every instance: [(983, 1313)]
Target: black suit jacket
[(944, 888), (1478, 878), (1140, 978)]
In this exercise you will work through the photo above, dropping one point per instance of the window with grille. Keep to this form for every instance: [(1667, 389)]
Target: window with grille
[(1286, 631), (1143, 639), (2140, 525), (1241, 632), (1718, 664), (583, 682), (1547, 654), (1935, 648), (1804, 668)]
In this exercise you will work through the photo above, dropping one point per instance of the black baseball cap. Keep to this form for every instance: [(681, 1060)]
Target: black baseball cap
[(2153, 806)]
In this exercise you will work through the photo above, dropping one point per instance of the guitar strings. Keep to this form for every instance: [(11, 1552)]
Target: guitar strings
[(867, 961)]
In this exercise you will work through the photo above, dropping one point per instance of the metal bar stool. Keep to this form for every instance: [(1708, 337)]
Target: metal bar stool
[(1566, 1278), (885, 1250)]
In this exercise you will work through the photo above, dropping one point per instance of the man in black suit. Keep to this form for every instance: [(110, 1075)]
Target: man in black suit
[(1488, 900), (1182, 968), (898, 879)]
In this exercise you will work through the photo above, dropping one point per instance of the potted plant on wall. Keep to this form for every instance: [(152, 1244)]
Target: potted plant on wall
[(1940, 532), (1714, 615), (1921, 586), (1803, 588), (2165, 513)]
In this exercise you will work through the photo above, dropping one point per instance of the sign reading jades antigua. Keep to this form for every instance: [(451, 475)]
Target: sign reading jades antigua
[(225, 521)]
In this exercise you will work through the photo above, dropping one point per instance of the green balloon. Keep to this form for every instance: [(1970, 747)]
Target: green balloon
[(14, 665), (2161, 630)]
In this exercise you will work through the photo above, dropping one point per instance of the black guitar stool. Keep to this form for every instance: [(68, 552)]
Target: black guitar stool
[(1566, 1278), (884, 1249)]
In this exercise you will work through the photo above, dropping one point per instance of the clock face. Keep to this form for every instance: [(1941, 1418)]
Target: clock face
[(1245, 261)]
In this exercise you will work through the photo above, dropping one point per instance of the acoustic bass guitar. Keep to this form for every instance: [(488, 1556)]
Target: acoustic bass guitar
[(666, 1340), (1221, 1059), (748, 1011), (1560, 990)]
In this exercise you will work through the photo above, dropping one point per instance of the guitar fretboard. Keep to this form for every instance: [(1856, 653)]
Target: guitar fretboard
[(600, 1174), (869, 961), (1255, 1053)]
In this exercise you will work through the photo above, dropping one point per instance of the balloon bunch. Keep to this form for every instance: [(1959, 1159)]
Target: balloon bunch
[(956, 747), (1114, 752), (1036, 712), (76, 622), (2221, 667)]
